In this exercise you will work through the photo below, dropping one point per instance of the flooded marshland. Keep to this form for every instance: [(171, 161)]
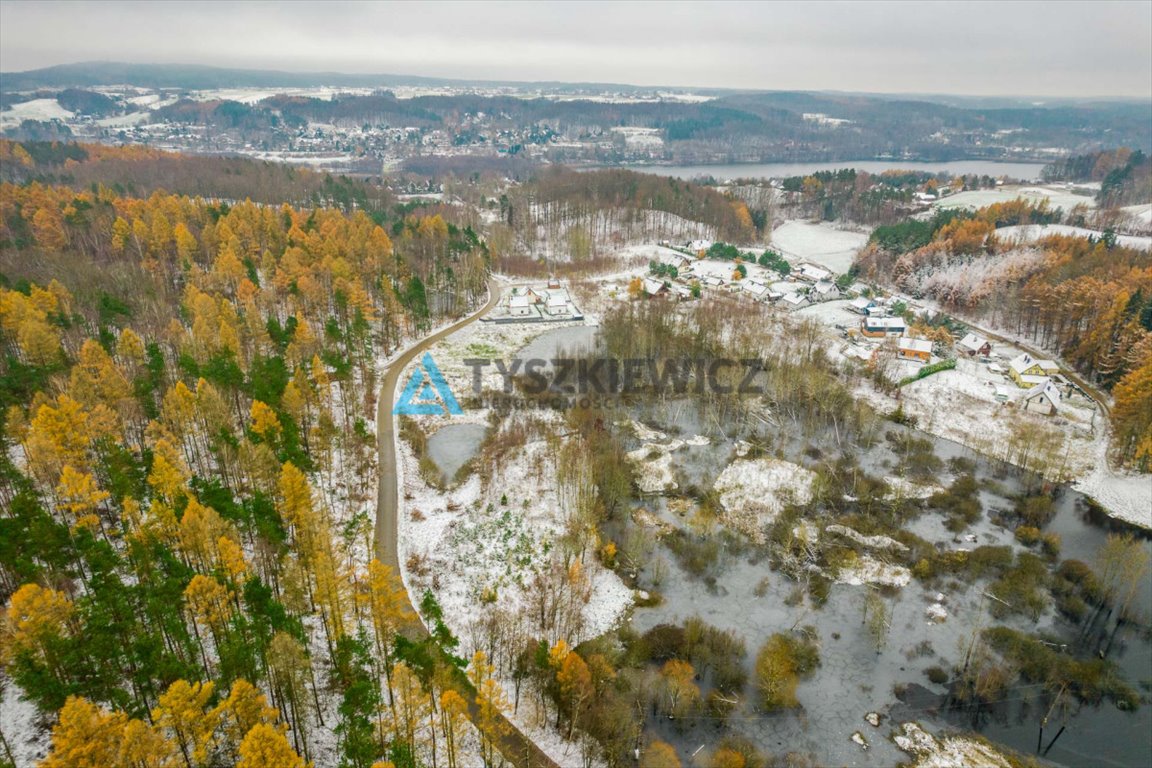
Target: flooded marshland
[(930, 627)]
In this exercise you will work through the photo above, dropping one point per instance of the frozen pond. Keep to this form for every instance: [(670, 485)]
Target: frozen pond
[(1023, 171), (569, 341), (453, 446)]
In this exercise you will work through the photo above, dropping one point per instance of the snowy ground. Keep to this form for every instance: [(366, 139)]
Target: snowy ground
[(478, 546), (946, 751), (1126, 496), (1140, 214), (869, 570), (1058, 196), (20, 723), (824, 243), (1030, 233), (466, 544), (754, 491), (35, 109)]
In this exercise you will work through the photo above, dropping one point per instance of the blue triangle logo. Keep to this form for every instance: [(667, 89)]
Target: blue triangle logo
[(427, 393)]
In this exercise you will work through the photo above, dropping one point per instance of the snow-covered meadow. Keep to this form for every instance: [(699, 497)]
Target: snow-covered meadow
[(823, 243), (1030, 233), (1057, 195)]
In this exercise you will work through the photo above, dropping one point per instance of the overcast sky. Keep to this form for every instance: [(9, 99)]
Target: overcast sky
[(1032, 48)]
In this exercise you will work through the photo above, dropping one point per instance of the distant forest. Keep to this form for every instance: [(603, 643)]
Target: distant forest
[(1125, 176)]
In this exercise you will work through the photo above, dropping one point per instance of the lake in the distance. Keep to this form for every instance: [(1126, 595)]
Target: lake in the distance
[(1023, 171)]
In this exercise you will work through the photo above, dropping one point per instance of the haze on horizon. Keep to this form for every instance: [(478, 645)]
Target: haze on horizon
[(1062, 49)]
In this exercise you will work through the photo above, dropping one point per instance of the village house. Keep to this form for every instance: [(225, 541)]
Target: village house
[(1027, 371), (757, 291), (655, 289), (860, 305), (519, 306), (880, 327), (794, 301), (557, 305), (1043, 398), (914, 349), (825, 289), (973, 345), (812, 273)]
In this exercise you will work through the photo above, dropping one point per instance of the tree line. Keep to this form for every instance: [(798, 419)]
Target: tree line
[(187, 478)]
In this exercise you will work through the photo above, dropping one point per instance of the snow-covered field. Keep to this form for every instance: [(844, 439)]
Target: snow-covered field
[(1140, 214), (1057, 195), (254, 95), (1125, 495), (298, 158), (35, 109), (824, 243), (1030, 233)]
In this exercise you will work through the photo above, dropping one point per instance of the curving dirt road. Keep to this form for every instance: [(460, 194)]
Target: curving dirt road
[(516, 748), (388, 496)]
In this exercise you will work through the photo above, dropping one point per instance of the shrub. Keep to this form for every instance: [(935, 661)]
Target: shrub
[(780, 664), (926, 371), (1027, 535), (936, 675)]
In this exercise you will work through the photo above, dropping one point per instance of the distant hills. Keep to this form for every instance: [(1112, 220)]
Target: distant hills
[(576, 123), (194, 77), (198, 77)]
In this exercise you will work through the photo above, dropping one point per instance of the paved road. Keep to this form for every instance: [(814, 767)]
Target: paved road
[(516, 748)]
